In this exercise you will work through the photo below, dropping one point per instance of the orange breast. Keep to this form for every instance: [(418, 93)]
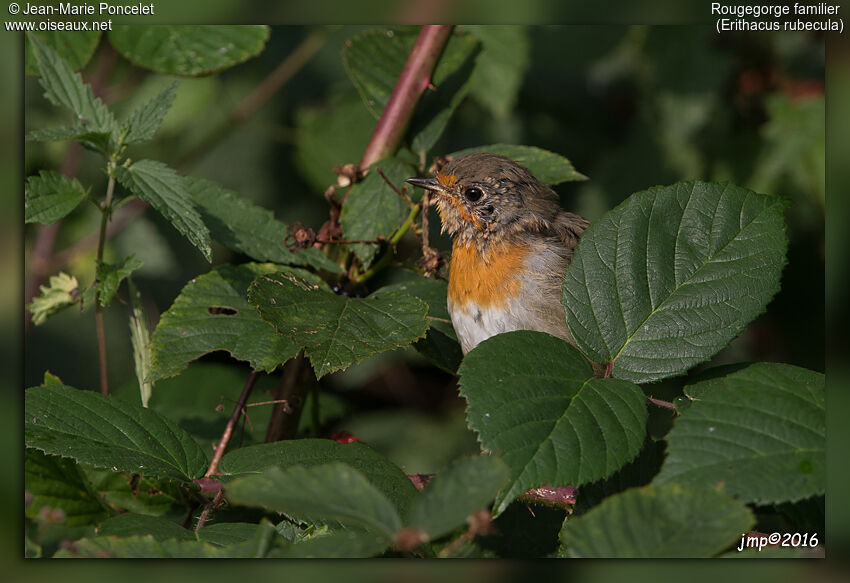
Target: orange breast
[(487, 283)]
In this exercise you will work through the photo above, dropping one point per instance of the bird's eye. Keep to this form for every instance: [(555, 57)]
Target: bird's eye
[(473, 194)]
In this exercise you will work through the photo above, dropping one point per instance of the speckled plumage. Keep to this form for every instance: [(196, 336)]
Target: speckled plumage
[(511, 247)]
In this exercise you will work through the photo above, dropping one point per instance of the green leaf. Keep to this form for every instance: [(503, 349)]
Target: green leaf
[(65, 88), (464, 487), (109, 277), (129, 524), (63, 291), (547, 167), (440, 345), (143, 495), (333, 491), (227, 533), (188, 50), (532, 397), (387, 477), (373, 209), (76, 47), (109, 433), (145, 121), (500, 68), (373, 60), (668, 520), (50, 196), (244, 227), (161, 186), (212, 313), (140, 338), (452, 78), (759, 434), (58, 484), (337, 331), (669, 277)]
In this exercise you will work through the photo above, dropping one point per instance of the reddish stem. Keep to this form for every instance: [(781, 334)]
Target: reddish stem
[(231, 424), (414, 79), (661, 403)]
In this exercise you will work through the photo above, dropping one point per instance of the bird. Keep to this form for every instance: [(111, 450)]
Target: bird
[(511, 245)]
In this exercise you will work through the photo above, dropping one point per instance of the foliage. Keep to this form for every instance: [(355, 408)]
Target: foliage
[(346, 325)]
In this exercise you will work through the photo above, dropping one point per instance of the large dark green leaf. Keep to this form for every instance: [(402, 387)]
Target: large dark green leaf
[(658, 522), (212, 313), (500, 68), (373, 209), (758, 434), (188, 50), (337, 331), (129, 524), (58, 484), (109, 433), (332, 491), (669, 277), (532, 398), (383, 474), (547, 167), (50, 196), (242, 226), (159, 185)]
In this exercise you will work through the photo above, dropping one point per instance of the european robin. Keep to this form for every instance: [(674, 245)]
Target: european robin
[(512, 243)]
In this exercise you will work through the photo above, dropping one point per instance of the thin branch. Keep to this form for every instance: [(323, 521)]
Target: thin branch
[(275, 80), (661, 403), (231, 424), (414, 79), (208, 509), (101, 335), (400, 193)]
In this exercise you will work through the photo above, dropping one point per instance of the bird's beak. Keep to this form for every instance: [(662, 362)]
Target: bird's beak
[(426, 183)]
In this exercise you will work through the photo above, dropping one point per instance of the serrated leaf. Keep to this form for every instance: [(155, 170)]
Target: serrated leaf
[(661, 521), (759, 434), (373, 60), (500, 68), (161, 186), (373, 209), (149, 496), (129, 524), (141, 341), (532, 398), (145, 121), (212, 313), (109, 433), (75, 46), (440, 345), (452, 78), (333, 491), (337, 331), (109, 277), (242, 226), (669, 277), (188, 50), (50, 196), (464, 487), (547, 167), (64, 87), (58, 484), (387, 477), (63, 291)]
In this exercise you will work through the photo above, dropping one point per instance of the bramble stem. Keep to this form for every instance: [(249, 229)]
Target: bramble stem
[(221, 447), (414, 79)]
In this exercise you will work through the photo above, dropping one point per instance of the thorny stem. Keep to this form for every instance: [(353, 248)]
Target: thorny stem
[(205, 514), (231, 424), (414, 79), (662, 403)]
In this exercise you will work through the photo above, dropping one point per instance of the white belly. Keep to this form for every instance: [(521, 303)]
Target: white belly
[(473, 325)]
